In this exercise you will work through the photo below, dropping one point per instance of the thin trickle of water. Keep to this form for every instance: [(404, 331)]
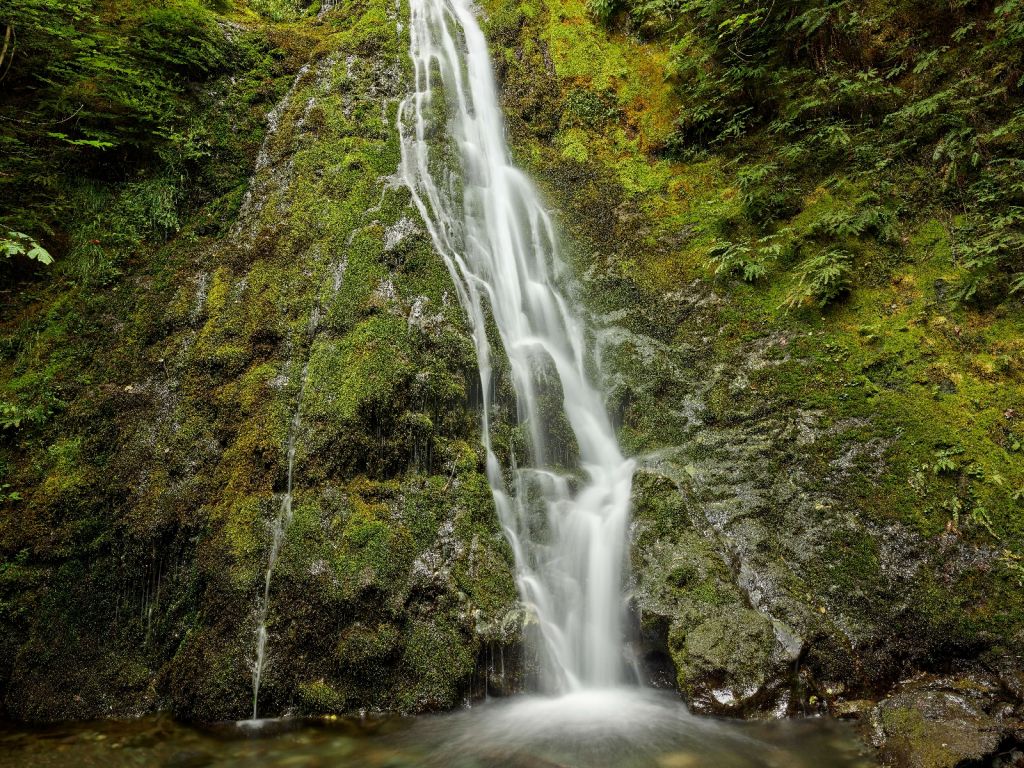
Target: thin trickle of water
[(567, 528), (281, 522), (265, 177), (284, 513)]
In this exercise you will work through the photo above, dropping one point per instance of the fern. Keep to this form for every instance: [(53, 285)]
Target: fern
[(821, 279), (729, 259)]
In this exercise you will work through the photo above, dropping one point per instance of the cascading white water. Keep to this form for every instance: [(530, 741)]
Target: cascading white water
[(567, 528)]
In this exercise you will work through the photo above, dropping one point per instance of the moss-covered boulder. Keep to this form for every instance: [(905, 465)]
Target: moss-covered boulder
[(944, 722), (726, 656)]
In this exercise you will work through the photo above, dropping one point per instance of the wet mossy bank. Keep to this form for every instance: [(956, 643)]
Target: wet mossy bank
[(828, 503), (303, 309)]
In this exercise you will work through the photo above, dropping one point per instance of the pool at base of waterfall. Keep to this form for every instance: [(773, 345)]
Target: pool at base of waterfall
[(624, 728)]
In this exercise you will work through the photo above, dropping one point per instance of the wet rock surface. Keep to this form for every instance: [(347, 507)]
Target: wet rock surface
[(775, 594), (764, 589), (944, 722), (306, 350)]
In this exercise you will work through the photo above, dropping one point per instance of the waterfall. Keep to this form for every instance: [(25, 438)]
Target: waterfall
[(567, 526)]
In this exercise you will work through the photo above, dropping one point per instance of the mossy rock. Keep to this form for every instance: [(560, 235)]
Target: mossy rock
[(933, 722)]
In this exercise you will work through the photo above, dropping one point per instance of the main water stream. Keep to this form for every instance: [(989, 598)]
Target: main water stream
[(567, 524), (563, 503)]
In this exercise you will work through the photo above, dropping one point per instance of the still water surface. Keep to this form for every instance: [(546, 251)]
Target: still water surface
[(620, 729)]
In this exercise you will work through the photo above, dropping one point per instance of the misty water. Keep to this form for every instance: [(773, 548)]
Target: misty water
[(564, 505), (633, 730)]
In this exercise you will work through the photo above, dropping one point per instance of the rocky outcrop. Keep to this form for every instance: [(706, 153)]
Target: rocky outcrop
[(944, 722)]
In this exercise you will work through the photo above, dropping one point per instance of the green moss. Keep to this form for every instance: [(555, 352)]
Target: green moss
[(244, 531), (67, 473), (361, 645), (914, 730), (733, 647), (321, 697), (437, 657), (365, 368), (375, 552)]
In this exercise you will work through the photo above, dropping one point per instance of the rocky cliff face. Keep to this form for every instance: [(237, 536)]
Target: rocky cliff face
[(806, 531), (314, 320)]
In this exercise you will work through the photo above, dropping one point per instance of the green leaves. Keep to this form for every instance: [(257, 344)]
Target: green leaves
[(20, 244), (79, 83), (94, 143), (916, 106), (115, 115), (821, 279), (767, 192), (945, 461), (183, 37), (737, 259), (11, 416), (735, 25), (601, 9)]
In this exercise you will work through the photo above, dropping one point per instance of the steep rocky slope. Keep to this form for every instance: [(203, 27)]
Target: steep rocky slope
[(309, 315)]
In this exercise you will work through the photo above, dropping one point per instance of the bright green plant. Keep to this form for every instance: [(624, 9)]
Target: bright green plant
[(915, 105), (736, 259), (20, 244), (767, 192), (821, 279)]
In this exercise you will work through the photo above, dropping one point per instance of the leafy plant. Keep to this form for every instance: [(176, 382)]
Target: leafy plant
[(601, 9), (821, 279), (20, 244), (767, 192), (737, 259), (917, 105), (89, 94), (863, 216), (277, 10), (945, 461)]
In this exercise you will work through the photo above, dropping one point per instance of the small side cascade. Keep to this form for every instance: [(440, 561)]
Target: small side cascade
[(268, 175), (281, 522), (284, 513)]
